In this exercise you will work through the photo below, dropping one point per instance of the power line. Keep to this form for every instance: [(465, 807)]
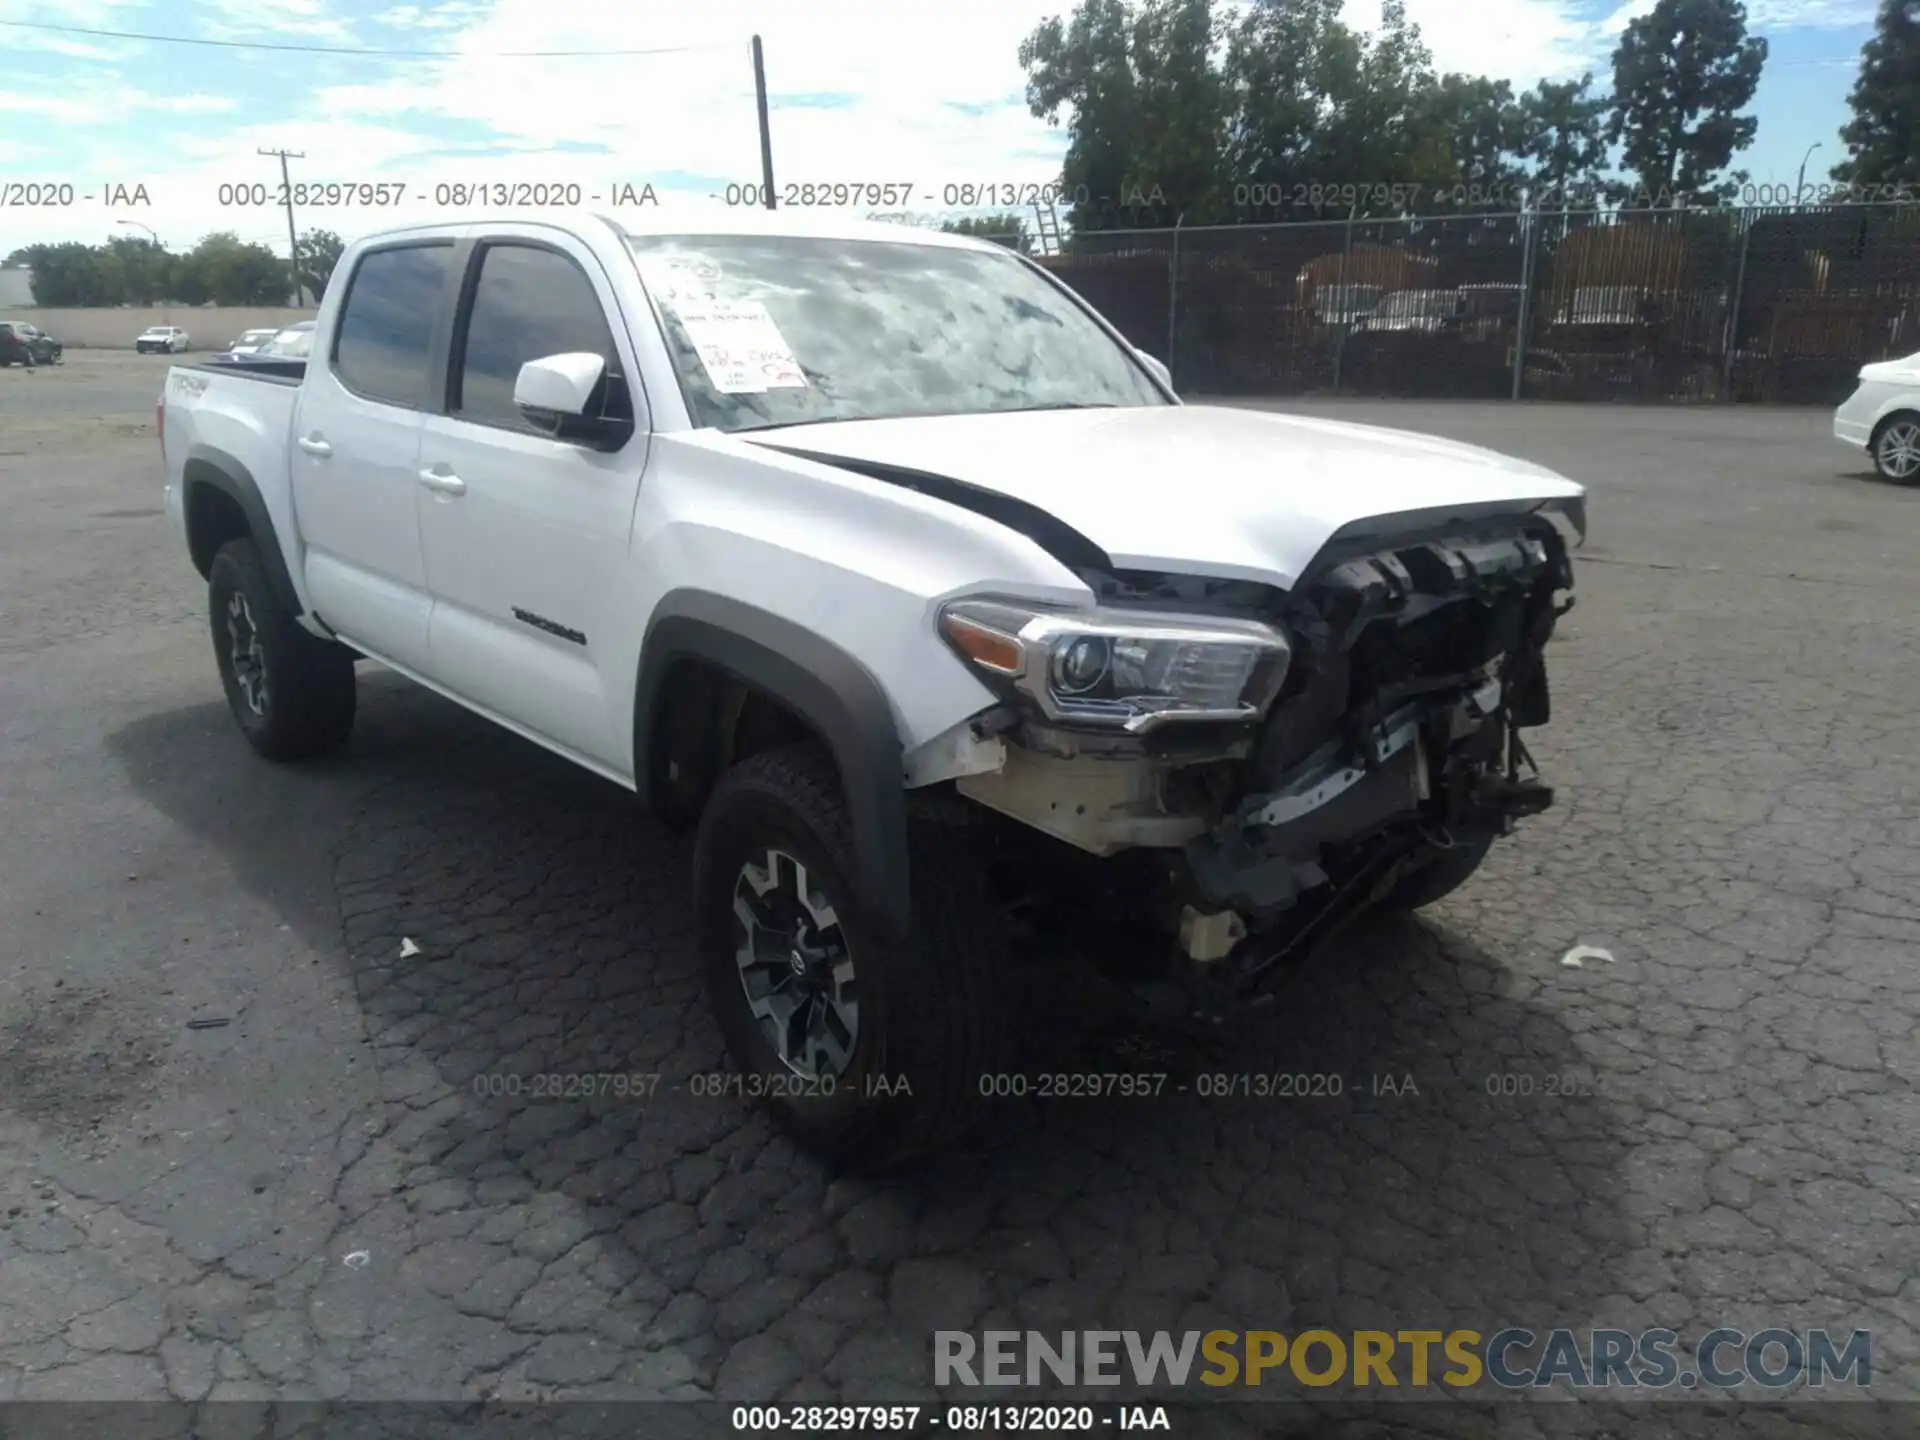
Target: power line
[(362, 53)]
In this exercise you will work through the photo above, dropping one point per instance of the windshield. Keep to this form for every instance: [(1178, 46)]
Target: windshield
[(1417, 302), (1602, 305), (294, 342), (789, 330), (1347, 299)]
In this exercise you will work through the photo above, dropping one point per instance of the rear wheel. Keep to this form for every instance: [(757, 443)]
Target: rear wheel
[(867, 1046), (292, 693), (1896, 449)]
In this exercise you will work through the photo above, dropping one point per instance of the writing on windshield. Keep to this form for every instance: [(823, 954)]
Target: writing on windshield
[(787, 330)]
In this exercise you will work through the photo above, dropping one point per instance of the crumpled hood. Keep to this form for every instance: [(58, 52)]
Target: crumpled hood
[(1197, 489)]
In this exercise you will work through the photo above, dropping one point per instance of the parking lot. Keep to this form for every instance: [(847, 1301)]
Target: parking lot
[(326, 1190)]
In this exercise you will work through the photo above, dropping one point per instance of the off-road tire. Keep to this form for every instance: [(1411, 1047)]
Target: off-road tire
[(309, 694), (935, 1017), (1445, 872)]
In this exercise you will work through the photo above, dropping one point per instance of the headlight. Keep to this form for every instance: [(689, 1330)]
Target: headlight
[(1121, 669)]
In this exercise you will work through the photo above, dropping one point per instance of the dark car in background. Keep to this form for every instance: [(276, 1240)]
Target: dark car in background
[(29, 345), (1454, 342)]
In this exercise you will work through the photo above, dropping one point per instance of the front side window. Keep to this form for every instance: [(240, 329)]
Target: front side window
[(385, 334), (767, 331), (528, 303)]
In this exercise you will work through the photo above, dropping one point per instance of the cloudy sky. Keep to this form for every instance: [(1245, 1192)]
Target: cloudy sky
[(863, 90)]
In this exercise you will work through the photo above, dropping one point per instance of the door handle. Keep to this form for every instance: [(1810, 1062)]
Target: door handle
[(314, 445), (443, 482)]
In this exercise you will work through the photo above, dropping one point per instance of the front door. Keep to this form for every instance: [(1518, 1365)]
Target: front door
[(526, 536), (356, 450)]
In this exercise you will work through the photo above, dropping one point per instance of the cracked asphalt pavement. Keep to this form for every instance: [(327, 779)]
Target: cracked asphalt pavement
[(340, 1183)]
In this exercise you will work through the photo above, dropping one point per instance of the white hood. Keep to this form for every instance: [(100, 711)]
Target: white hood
[(1196, 489)]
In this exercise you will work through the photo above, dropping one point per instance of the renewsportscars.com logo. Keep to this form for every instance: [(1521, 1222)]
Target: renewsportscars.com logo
[(1509, 1359)]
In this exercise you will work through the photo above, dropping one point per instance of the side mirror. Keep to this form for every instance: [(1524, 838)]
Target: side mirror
[(1157, 369), (567, 395), (557, 384)]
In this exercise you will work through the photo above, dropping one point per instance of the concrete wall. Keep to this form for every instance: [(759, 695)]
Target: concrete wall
[(210, 327)]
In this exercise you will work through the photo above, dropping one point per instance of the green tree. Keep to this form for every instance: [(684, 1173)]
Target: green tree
[(319, 252), (1681, 74), (71, 274), (1470, 139), (1283, 60), (1008, 229), (1563, 139), (145, 270), (1377, 127), (223, 270), (1883, 137), (1179, 159), (1148, 112)]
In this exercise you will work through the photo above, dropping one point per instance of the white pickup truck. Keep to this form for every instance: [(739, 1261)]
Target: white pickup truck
[(883, 560)]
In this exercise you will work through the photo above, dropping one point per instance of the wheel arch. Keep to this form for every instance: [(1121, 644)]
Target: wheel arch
[(222, 502), (1898, 412), (763, 656)]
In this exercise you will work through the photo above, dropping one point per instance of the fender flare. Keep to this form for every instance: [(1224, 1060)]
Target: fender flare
[(209, 466), (822, 684)]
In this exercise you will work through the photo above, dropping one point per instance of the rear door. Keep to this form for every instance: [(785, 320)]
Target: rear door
[(526, 535), (356, 445)]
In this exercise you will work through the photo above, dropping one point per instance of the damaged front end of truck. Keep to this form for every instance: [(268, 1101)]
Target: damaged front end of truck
[(1377, 749)]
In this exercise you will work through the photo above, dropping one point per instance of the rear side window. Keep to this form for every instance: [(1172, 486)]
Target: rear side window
[(385, 335), (527, 303)]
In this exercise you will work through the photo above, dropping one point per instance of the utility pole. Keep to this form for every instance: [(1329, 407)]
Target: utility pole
[(293, 244), (1800, 181), (766, 135)]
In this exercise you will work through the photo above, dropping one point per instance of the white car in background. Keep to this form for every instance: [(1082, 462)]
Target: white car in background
[(250, 341), (1883, 417), (162, 339), (292, 343)]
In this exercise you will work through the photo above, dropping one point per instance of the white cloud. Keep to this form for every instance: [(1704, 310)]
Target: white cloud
[(283, 21), (1766, 15), (103, 105), (1524, 41), (1625, 15), (1792, 14), (904, 70), (454, 15)]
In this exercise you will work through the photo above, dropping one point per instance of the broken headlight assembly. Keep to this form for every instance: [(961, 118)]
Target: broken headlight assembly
[(1120, 669)]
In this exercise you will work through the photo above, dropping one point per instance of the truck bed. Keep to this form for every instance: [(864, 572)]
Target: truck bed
[(273, 371)]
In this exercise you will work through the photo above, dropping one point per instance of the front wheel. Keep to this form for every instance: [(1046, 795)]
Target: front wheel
[(1443, 872), (292, 693), (867, 1046), (1896, 449)]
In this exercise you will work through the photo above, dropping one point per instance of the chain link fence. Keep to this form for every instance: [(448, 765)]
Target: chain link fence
[(1777, 304)]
